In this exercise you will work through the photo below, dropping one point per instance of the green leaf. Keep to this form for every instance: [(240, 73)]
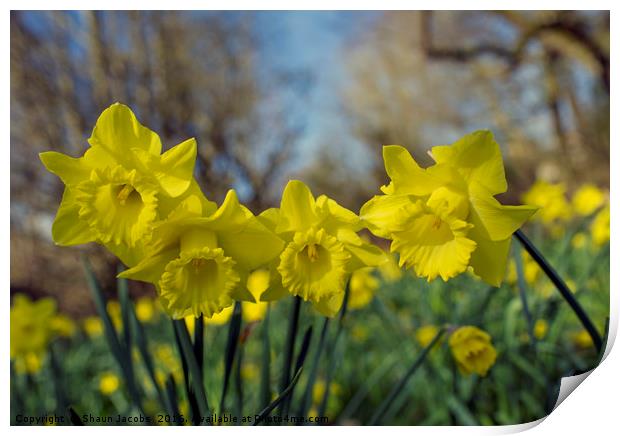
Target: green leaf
[(192, 364), (234, 330), (267, 410)]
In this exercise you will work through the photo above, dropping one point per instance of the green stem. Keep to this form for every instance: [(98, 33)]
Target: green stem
[(522, 293), (192, 365), (199, 340), (290, 346), (398, 388), (307, 397), (562, 288), (334, 357)]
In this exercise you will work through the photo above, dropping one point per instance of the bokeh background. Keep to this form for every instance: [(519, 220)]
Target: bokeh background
[(309, 95), (272, 96)]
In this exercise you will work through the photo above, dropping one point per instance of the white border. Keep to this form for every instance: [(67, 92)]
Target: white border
[(592, 410)]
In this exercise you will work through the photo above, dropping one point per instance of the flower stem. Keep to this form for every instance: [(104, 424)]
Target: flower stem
[(522, 293), (199, 340), (289, 348), (562, 288), (398, 387)]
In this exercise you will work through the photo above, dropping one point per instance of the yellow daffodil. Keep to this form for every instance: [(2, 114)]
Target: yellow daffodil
[(200, 256), (108, 383), (445, 218), (62, 325), (116, 191), (551, 198), (93, 326), (472, 350), (146, 310), (29, 363), (588, 199), (323, 248), (600, 227), (540, 328), (362, 288), (31, 330), (425, 334), (579, 240), (582, 339)]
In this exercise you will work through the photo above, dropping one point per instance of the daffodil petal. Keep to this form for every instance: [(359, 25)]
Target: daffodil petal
[(68, 228), (71, 170), (365, 255), (406, 175), (174, 169), (329, 306), (434, 246), (117, 130), (253, 246), (150, 269), (275, 291), (298, 208), (334, 216), (499, 221), (490, 258), (477, 157), (380, 211), (269, 218)]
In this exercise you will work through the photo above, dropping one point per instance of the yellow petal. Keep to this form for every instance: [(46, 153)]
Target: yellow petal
[(313, 265), (329, 306), (362, 287), (333, 216), (251, 247), (477, 157), (297, 209), (198, 282), (406, 175), (490, 258), (380, 212), (433, 245), (117, 131), (173, 170), (70, 170), (68, 228), (365, 254), (276, 290), (269, 218), (499, 221), (119, 205), (151, 268)]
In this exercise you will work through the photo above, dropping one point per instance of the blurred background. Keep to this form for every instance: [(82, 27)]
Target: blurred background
[(309, 95)]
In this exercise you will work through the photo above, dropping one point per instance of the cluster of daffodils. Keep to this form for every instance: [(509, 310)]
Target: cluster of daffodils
[(33, 325), (556, 210), (146, 207)]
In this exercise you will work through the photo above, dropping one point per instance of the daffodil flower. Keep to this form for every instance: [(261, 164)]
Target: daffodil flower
[(472, 350), (362, 288), (32, 327), (200, 256), (121, 186), (322, 248), (445, 218)]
